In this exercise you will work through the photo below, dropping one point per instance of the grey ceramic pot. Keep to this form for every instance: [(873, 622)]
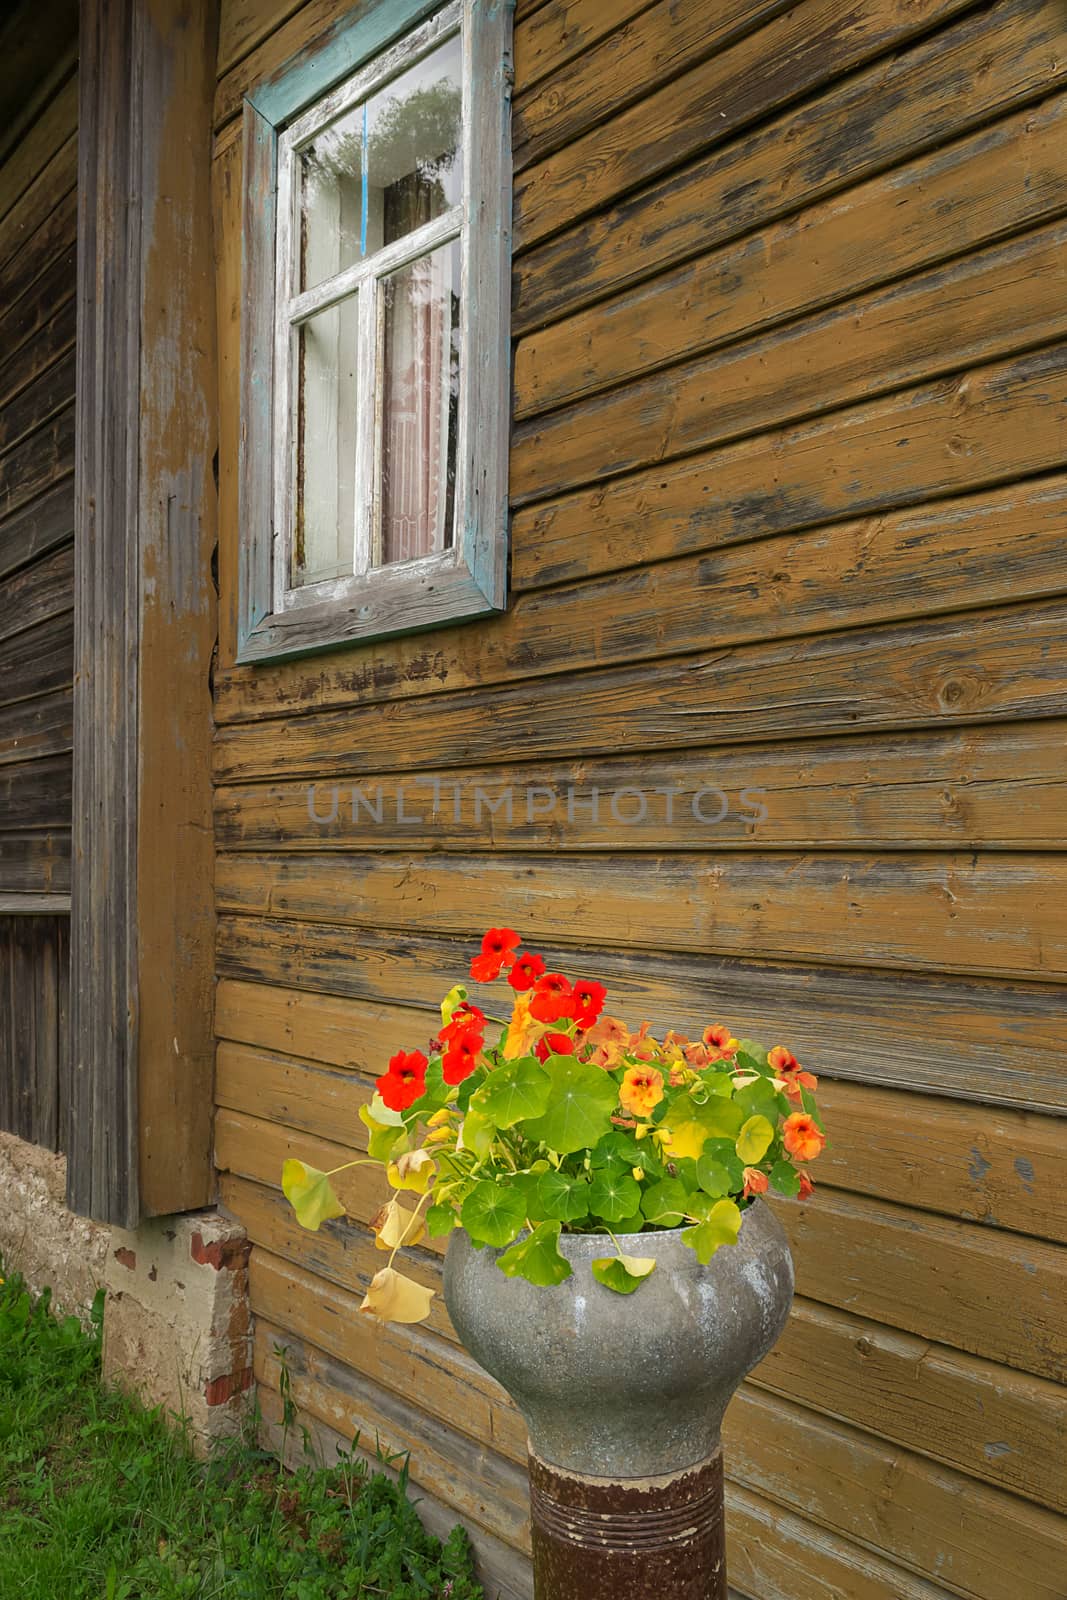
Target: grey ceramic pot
[(626, 1386)]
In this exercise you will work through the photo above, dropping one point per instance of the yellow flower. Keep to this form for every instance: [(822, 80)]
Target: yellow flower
[(641, 1089)]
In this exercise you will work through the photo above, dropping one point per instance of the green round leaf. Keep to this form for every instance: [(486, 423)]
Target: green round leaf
[(785, 1179), (310, 1194), (493, 1214), (477, 1134), (755, 1140), (613, 1195), (712, 1176), (582, 1098), (536, 1258), (561, 1197), (720, 1226), (514, 1093), (622, 1274), (439, 1221), (666, 1203)]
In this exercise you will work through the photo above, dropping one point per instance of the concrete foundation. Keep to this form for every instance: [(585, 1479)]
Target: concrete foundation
[(177, 1325), (39, 1237)]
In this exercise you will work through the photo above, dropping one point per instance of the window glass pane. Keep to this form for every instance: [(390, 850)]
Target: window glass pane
[(420, 393), (384, 168), (325, 397)]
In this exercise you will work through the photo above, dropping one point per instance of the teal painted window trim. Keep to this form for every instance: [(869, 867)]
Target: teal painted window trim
[(385, 601)]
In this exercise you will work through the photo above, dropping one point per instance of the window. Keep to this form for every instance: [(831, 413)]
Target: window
[(375, 372)]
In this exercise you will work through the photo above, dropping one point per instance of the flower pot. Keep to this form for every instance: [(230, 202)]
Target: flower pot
[(623, 1398)]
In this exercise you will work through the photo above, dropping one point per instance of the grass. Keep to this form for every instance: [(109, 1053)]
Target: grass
[(101, 1499)]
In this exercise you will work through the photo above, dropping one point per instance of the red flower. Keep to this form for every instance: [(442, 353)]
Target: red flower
[(807, 1186), (465, 1016), (526, 971), (587, 1002), (784, 1064), (756, 1182), (462, 1055), (551, 998), (405, 1081), (498, 950), (554, 1044)]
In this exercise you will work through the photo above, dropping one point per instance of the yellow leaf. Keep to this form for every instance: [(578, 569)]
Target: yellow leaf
[(754, 1140), (414, 1171), (439, 1136), (687, 1140), (310, 1194), (441, 1118), (637, 1266), (394, 1298), (394, 1225), (455, 997)]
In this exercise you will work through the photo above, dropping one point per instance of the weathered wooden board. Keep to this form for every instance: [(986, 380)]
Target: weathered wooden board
[(35, 794), (41, 727), (938, 911), (994, 1296), (1000, 422), (335, 1031), (42, 460), (712, 102), (978, 1541), (561, 31), (983, 64), (37, 528), (1003, 664), (57, 122), (34, 983), (33, 206), (975, 786), (1006, 1428), (36, 862), (38, 327), (1000, 180), (1004, 544), (226, 182), (949, 317), (978, 1040), (975, 1163), (36, 662), (48, 242), (626, 65), (38, 592), (997, 1296), (37, 402)]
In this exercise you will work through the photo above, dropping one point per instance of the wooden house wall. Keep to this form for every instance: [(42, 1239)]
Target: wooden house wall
[(38, 205), (787, 478)]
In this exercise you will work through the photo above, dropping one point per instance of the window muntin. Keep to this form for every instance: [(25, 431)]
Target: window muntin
[(368, 353)]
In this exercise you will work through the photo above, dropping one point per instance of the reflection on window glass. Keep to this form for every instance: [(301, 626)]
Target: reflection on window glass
[(382, 169), (324, 509), (420, 401)]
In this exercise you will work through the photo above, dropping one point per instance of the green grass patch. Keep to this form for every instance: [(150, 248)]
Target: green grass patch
[(101, 1499)]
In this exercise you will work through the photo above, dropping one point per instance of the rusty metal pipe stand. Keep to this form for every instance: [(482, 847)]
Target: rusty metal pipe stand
[(642, 1539)]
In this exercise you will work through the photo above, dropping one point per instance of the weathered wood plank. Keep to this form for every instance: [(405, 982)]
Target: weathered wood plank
[(789, 58), (1002, 1427), (57, 122), (337, 1032), (43, 727), (473, 1484), (974, 1163), (995, 914), (628, 64), (226, 183), (51, 240), (38, 592), (562, 30), (989, 666), (55, 180), (35, 794), (35, 862), (48, 1065), (1004, 544), (43, 459), (980, 786), (983, 65), (39, 401), (49, 331), (978, 1541), (969, 1039), (953, 316), (1000, 422), (36, 662), (999, 181), (995, 1296), (38, 528)]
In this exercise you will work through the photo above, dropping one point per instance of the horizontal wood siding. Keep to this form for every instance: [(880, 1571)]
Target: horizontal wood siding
[(38, 205), (773, 731)]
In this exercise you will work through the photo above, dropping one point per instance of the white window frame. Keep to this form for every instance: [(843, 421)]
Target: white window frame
[(277, 618)]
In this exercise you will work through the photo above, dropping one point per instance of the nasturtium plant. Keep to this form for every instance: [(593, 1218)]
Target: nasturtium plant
[(559, 1119)]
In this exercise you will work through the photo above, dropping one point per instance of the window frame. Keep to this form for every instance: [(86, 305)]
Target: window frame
[(467, 580)]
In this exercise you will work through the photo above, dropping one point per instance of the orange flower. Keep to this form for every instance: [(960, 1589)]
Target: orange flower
[(697, 1055), (641, 1047), (801, 1136), (756, 1182), (608, 1036), (807, 1187), (641, 1089), (784, 1064), (720, 1042)]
